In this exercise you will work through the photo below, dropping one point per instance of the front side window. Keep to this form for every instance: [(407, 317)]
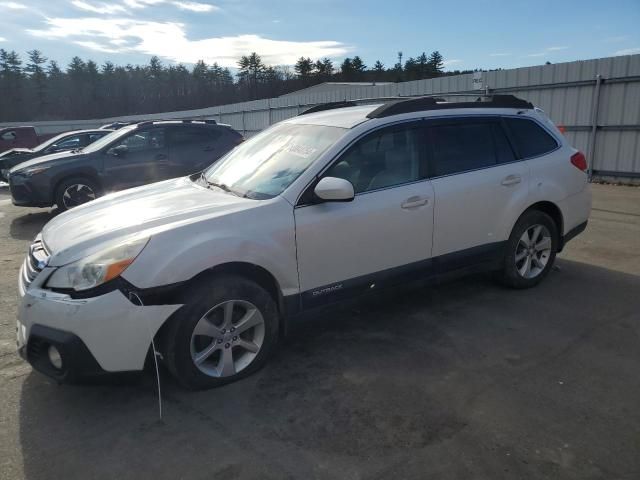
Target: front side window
[(530, 138), (461, 147), (385, 158), (144, 140), (266, 164), (92, 137), (10, 135)]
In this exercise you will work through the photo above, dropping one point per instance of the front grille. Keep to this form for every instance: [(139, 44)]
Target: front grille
[(34, 263)]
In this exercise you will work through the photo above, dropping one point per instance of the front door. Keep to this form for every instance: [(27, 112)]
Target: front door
[(144, 161), (383, 235)]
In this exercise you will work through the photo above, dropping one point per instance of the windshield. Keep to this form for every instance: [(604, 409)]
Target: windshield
[(107, 139), (265, 165), (51, 141)]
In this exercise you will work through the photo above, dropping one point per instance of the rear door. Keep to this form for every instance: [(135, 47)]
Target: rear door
[(192, 148), (145, 159), (479, 186)]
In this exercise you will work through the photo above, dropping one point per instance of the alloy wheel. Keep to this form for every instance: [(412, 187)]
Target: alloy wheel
[(77, 194), (533, 251), (227, 338)]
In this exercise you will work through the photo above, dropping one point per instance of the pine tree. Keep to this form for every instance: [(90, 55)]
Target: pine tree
[(436, 63)]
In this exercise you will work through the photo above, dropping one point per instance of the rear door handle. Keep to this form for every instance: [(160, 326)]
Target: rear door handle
[(413, 202), (511, 180)]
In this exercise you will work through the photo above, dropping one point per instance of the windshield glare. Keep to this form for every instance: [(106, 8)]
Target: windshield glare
[(107, 139), (266, 164)]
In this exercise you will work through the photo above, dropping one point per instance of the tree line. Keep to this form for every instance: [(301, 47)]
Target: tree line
[(39, 89)]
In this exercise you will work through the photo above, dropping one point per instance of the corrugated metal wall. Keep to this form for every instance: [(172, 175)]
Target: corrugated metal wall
[(597, 101)]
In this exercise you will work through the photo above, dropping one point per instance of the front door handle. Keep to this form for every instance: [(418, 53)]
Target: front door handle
[(161, 156), (511, 180), (413, 202)]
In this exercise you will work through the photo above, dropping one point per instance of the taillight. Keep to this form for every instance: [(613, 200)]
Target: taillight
[(579, 161)]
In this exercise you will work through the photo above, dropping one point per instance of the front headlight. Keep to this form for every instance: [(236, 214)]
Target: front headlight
[(97, 269)]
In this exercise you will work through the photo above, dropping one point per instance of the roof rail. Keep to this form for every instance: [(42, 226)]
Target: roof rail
[(434, 103), (177, 120), (328, 106)]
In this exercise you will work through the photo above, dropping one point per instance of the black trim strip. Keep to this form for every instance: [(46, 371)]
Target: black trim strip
[(485, 256)]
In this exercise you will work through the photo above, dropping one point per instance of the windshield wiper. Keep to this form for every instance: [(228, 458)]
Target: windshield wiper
[(221, 186)]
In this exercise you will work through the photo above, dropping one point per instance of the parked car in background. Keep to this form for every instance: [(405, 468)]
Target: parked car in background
[(60, 143), (317, 209), (20, 137), (141, 153)]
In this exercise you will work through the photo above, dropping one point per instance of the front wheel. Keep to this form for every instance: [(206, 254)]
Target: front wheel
[(75, 191), (531, 250), (224, 332)]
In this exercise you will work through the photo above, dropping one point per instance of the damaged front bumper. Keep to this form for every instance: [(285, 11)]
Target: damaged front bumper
[(106, 333)]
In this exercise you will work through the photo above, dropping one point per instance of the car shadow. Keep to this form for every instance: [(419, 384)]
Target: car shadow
[(26, 227), (464, 376)]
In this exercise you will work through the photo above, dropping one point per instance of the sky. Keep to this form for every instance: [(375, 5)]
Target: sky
[(469, 34)]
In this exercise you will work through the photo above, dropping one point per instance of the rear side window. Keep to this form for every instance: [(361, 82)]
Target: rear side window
[(530, 138), (461, 147), (186, 135)]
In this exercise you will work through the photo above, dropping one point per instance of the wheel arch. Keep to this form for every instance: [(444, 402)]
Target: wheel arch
[(554, 212), (87, 174), (250, 271)]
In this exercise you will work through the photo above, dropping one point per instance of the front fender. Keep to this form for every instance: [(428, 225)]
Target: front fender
[(262, 238)]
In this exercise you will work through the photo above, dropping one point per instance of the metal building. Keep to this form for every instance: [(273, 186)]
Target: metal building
[(596, 101)]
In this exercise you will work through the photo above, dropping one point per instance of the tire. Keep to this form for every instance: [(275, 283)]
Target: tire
[(535, 250), (82, 188), (206, 309)]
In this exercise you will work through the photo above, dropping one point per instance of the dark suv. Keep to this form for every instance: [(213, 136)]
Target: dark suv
[(143, 153)]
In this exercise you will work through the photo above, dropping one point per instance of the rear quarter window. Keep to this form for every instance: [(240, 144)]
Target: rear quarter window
[(531, 140)]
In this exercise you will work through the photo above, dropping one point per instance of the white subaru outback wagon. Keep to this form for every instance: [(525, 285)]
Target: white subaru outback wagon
[(314, 210)]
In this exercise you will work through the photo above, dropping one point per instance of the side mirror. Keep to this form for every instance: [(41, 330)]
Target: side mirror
[(119, 150), (332, 189)]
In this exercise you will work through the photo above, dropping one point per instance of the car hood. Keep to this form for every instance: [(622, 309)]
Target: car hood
[(15, 151), (44, 159), (135, 213)]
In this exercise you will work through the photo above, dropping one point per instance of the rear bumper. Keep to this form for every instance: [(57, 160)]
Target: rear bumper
[(573, 233)]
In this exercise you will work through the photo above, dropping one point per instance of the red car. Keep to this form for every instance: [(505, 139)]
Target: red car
[(20, 137)]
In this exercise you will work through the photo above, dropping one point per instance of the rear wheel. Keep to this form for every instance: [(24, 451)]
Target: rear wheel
[(76, 191), (224, 332), (531, 250)]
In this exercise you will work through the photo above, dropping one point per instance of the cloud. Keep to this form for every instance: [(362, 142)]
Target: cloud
[(500, 54), (628, 51), (453, 61), (2, 39), (100, 7), (13, 5), (169, 40), (546, 51), (619, 38), (196, 6), (142, 3)]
